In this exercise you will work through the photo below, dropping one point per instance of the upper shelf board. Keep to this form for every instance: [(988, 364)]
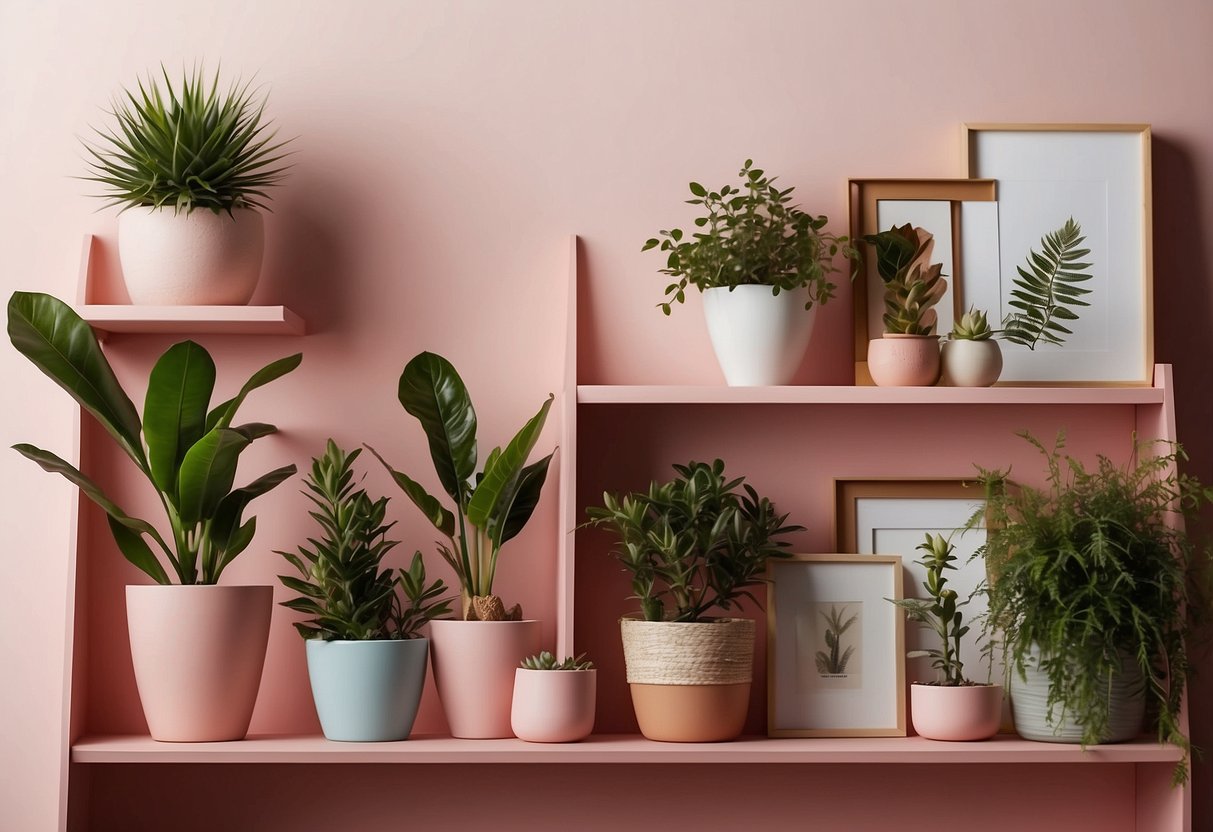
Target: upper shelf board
[(675, 394)]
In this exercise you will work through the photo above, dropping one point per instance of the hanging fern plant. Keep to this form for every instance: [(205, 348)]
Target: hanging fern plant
[(1048, 291)]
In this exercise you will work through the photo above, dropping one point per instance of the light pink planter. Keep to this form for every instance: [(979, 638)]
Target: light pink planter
[(474, 664), (198, 653), (904, 360), (956, 714), (553, 705)]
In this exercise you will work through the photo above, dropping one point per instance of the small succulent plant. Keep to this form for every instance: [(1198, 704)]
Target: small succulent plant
[(546, 661), (912, 283), (972, 326)]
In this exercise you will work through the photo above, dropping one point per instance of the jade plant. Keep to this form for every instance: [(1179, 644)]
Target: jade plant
[(546, 661), (187, 145), (941, 615), (751, 235), (187, 449), (1047, 292), (343, 584), (972, 326), (492, 505), (1094, 568), (694, 544), (912, 284)]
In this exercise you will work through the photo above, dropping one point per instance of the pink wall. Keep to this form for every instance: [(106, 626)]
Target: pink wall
[(446, 148)]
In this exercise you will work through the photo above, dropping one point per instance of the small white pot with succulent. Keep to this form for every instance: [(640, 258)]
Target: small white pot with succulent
[(763, 266), (970, 357), (190, 164)]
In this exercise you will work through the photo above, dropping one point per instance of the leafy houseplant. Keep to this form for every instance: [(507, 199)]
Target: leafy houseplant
[(693, 546), (970, 357), (554, 699), (834, 659), (1089, 582), (1048, 291), (365, 653), (188, 451), (757, 259)]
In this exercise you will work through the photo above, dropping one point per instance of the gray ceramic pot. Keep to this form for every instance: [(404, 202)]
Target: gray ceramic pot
[(367, 691), (1030, 695)]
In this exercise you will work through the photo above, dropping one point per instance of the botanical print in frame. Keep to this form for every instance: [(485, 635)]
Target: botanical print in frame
[(835, 647)]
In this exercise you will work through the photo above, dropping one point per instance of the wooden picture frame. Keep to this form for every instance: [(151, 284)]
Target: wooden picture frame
[(865, 198), (854, 685), (1100, 175)]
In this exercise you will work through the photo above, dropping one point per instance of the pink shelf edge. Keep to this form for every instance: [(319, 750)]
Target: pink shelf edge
[(608, 748)]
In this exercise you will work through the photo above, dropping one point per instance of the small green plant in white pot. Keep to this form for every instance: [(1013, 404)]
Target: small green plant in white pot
[(554, 699), (763, 266), (907, 355), (366, 655), (474, 657), (191, 164), (189, 452), (951, 708), (970, 356)]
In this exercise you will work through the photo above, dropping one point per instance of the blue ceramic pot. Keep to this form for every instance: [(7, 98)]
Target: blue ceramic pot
[(367, 691)]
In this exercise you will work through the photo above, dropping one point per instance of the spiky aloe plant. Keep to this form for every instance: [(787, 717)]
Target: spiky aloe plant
[(188, 146), (913, 285), (972, 326), (1047, 292), (834, 659), (546, 661)]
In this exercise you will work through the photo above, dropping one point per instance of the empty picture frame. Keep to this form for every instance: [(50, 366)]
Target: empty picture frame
[(835, 647), (941, 207), (1099, 174), (893, 516)]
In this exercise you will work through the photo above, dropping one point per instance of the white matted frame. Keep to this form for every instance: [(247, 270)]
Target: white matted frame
[(852, 685), (1100, 175)]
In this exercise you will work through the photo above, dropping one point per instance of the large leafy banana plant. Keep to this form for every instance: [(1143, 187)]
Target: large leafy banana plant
[(186, 449), (492, 505)]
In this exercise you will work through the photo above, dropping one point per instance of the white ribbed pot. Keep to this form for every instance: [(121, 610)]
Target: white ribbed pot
[(199, 258), (967, 363), (759, 338), (1030, 696)]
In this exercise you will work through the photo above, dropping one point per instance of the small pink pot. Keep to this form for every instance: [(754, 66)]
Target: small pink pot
[(957, 714), (904, 360), (198, 652), (474, 664), (553, 705)]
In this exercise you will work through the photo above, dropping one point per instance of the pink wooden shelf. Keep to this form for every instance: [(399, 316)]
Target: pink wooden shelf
[(612, 748), (184, 320), (675, 394)]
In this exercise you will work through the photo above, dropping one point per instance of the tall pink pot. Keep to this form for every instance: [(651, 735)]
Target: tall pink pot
[(474, 664), (198, 652)]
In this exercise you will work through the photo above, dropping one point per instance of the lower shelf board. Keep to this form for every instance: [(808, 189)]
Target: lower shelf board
[(611, 748)]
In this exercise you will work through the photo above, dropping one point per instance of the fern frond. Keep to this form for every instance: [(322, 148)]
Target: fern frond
[(1046, 292)]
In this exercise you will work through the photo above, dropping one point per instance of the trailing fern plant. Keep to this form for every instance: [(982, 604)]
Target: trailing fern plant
[(343, 585), (1095, 567), (546, 661), (834, 660), (1048, 291), (942, 614)]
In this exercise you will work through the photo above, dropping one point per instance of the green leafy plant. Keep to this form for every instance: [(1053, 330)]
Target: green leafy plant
[(942, 614), (694, 544), (188, 146), (751, 235), (1048, 291), (913, 285), (834, 659), (344, 586), (491, 506), (191, 450), (546, 661), (972, 326), (1094, 567)]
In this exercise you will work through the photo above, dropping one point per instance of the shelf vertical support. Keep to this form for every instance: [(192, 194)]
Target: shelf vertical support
[(568, 466)]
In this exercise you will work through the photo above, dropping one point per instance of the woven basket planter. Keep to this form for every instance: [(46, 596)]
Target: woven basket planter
[(690, 682)]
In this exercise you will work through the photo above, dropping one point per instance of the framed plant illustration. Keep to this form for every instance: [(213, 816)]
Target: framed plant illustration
[(835, 647)]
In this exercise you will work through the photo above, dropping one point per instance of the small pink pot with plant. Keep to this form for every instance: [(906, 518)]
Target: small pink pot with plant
[(554, 700)]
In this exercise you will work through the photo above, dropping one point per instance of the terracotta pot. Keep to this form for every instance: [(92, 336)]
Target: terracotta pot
[(474, 664), (367, 691), (904, 360), (966, 363), (957, 714), (198, 652), (200, 258), (553, 705), (1033, 720), (689, 682), (759, 338)]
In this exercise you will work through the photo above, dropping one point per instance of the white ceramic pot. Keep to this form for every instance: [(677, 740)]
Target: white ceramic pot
[(968, 363), (198, 258), (1034, 721), (759, 338), (896, 360)]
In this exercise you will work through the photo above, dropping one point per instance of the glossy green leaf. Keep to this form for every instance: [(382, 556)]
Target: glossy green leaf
[(490, 505), (221, 416), (433, 510), (174, 411), (229, 513), (526, 496), (137, 551), (207, 473), (432, 392)]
